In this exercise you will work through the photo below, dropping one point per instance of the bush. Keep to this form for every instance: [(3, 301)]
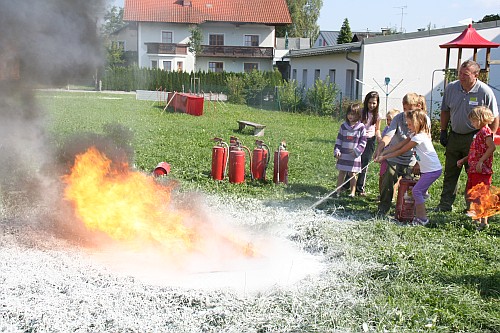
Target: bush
[(236, 89), (289, 96), (435, 129), (321, 97), (255, 82)]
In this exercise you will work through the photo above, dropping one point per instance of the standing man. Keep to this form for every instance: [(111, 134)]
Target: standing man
[(459, 98)]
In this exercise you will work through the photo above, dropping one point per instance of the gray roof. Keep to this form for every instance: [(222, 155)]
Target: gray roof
[(329, 36), (356, 47), (429, 33), (339, 48)]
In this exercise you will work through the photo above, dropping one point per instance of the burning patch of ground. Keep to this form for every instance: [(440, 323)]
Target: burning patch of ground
[(50, 284), (111, 249)]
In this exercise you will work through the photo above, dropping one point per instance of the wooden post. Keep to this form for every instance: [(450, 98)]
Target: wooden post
[(488, 60), (459, 60), (447, 66)]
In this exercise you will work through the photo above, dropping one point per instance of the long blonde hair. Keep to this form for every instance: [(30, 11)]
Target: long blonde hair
[(419, 119)]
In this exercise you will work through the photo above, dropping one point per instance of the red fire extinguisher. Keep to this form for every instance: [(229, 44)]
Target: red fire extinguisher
[(281, 164), (405, 204), (162, 169), (219, 159), (233, 142), (260, 160), (237, 163)]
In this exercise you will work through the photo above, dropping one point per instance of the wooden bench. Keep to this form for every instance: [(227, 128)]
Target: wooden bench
[(258, 128)]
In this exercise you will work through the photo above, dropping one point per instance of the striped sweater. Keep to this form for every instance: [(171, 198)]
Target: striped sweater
[(351, 142)]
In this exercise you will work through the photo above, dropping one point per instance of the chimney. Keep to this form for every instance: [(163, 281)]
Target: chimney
[(186, 3)]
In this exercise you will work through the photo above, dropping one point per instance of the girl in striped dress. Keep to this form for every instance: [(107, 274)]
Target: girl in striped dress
[(350, 144)]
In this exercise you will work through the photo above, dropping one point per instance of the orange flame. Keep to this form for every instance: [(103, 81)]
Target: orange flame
[(131, 207), (485, 201)]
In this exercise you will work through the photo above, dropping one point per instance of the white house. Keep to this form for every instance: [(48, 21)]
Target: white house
[(238, 35), (411, 62), (126, 38)]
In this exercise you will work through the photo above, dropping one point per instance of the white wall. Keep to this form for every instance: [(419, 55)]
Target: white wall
[(127, 35), (234, 64), (414, 61), (408, 60), (324, 63), (151, 32), (233, 36)]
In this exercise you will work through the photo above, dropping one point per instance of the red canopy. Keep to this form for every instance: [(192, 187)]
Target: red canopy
[(469, 38)]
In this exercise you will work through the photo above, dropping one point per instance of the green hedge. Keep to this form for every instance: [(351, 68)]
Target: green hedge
[(134, 78)]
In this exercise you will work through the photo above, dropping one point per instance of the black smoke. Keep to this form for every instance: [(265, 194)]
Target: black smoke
[(43, 43)]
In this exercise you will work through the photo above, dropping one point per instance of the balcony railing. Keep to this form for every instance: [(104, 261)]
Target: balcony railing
[(166, 48), (236, 51)]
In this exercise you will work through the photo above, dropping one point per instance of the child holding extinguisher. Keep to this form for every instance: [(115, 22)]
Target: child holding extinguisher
[(480, 158), (350, 144), (430, 166)]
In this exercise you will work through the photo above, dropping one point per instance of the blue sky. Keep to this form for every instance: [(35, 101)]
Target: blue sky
[(373, 14)]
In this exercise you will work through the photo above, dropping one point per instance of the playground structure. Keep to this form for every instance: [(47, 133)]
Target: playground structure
[(470, 39)]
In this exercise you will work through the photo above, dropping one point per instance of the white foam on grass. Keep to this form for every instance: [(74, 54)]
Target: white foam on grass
[(275, 261), (49, 284), (280, 263)]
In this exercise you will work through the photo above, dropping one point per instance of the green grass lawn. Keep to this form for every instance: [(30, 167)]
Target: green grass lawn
[(441, 278)]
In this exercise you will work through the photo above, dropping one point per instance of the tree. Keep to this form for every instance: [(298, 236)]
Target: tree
[(194, 46), (195, 40), (113, 21), (489, 18), (304, 14), (115, 55), (345, 35)]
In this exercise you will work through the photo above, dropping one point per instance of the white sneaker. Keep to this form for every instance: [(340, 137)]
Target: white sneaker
[(416, 221)]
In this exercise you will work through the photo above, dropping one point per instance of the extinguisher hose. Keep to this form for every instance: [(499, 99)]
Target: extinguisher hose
[(278, 165), (227, 157), (250, 158), (268, 157), (338, 188)]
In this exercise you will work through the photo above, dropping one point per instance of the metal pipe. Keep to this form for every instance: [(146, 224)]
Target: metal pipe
[(357, 71), (432, 88)]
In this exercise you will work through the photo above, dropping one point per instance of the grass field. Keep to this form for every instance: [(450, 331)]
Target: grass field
[(440, 278)]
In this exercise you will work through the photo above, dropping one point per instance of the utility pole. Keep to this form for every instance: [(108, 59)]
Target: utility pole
[(402, 13)]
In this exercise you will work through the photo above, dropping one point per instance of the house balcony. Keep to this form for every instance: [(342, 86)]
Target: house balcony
[(224, 51), (166, 48)]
